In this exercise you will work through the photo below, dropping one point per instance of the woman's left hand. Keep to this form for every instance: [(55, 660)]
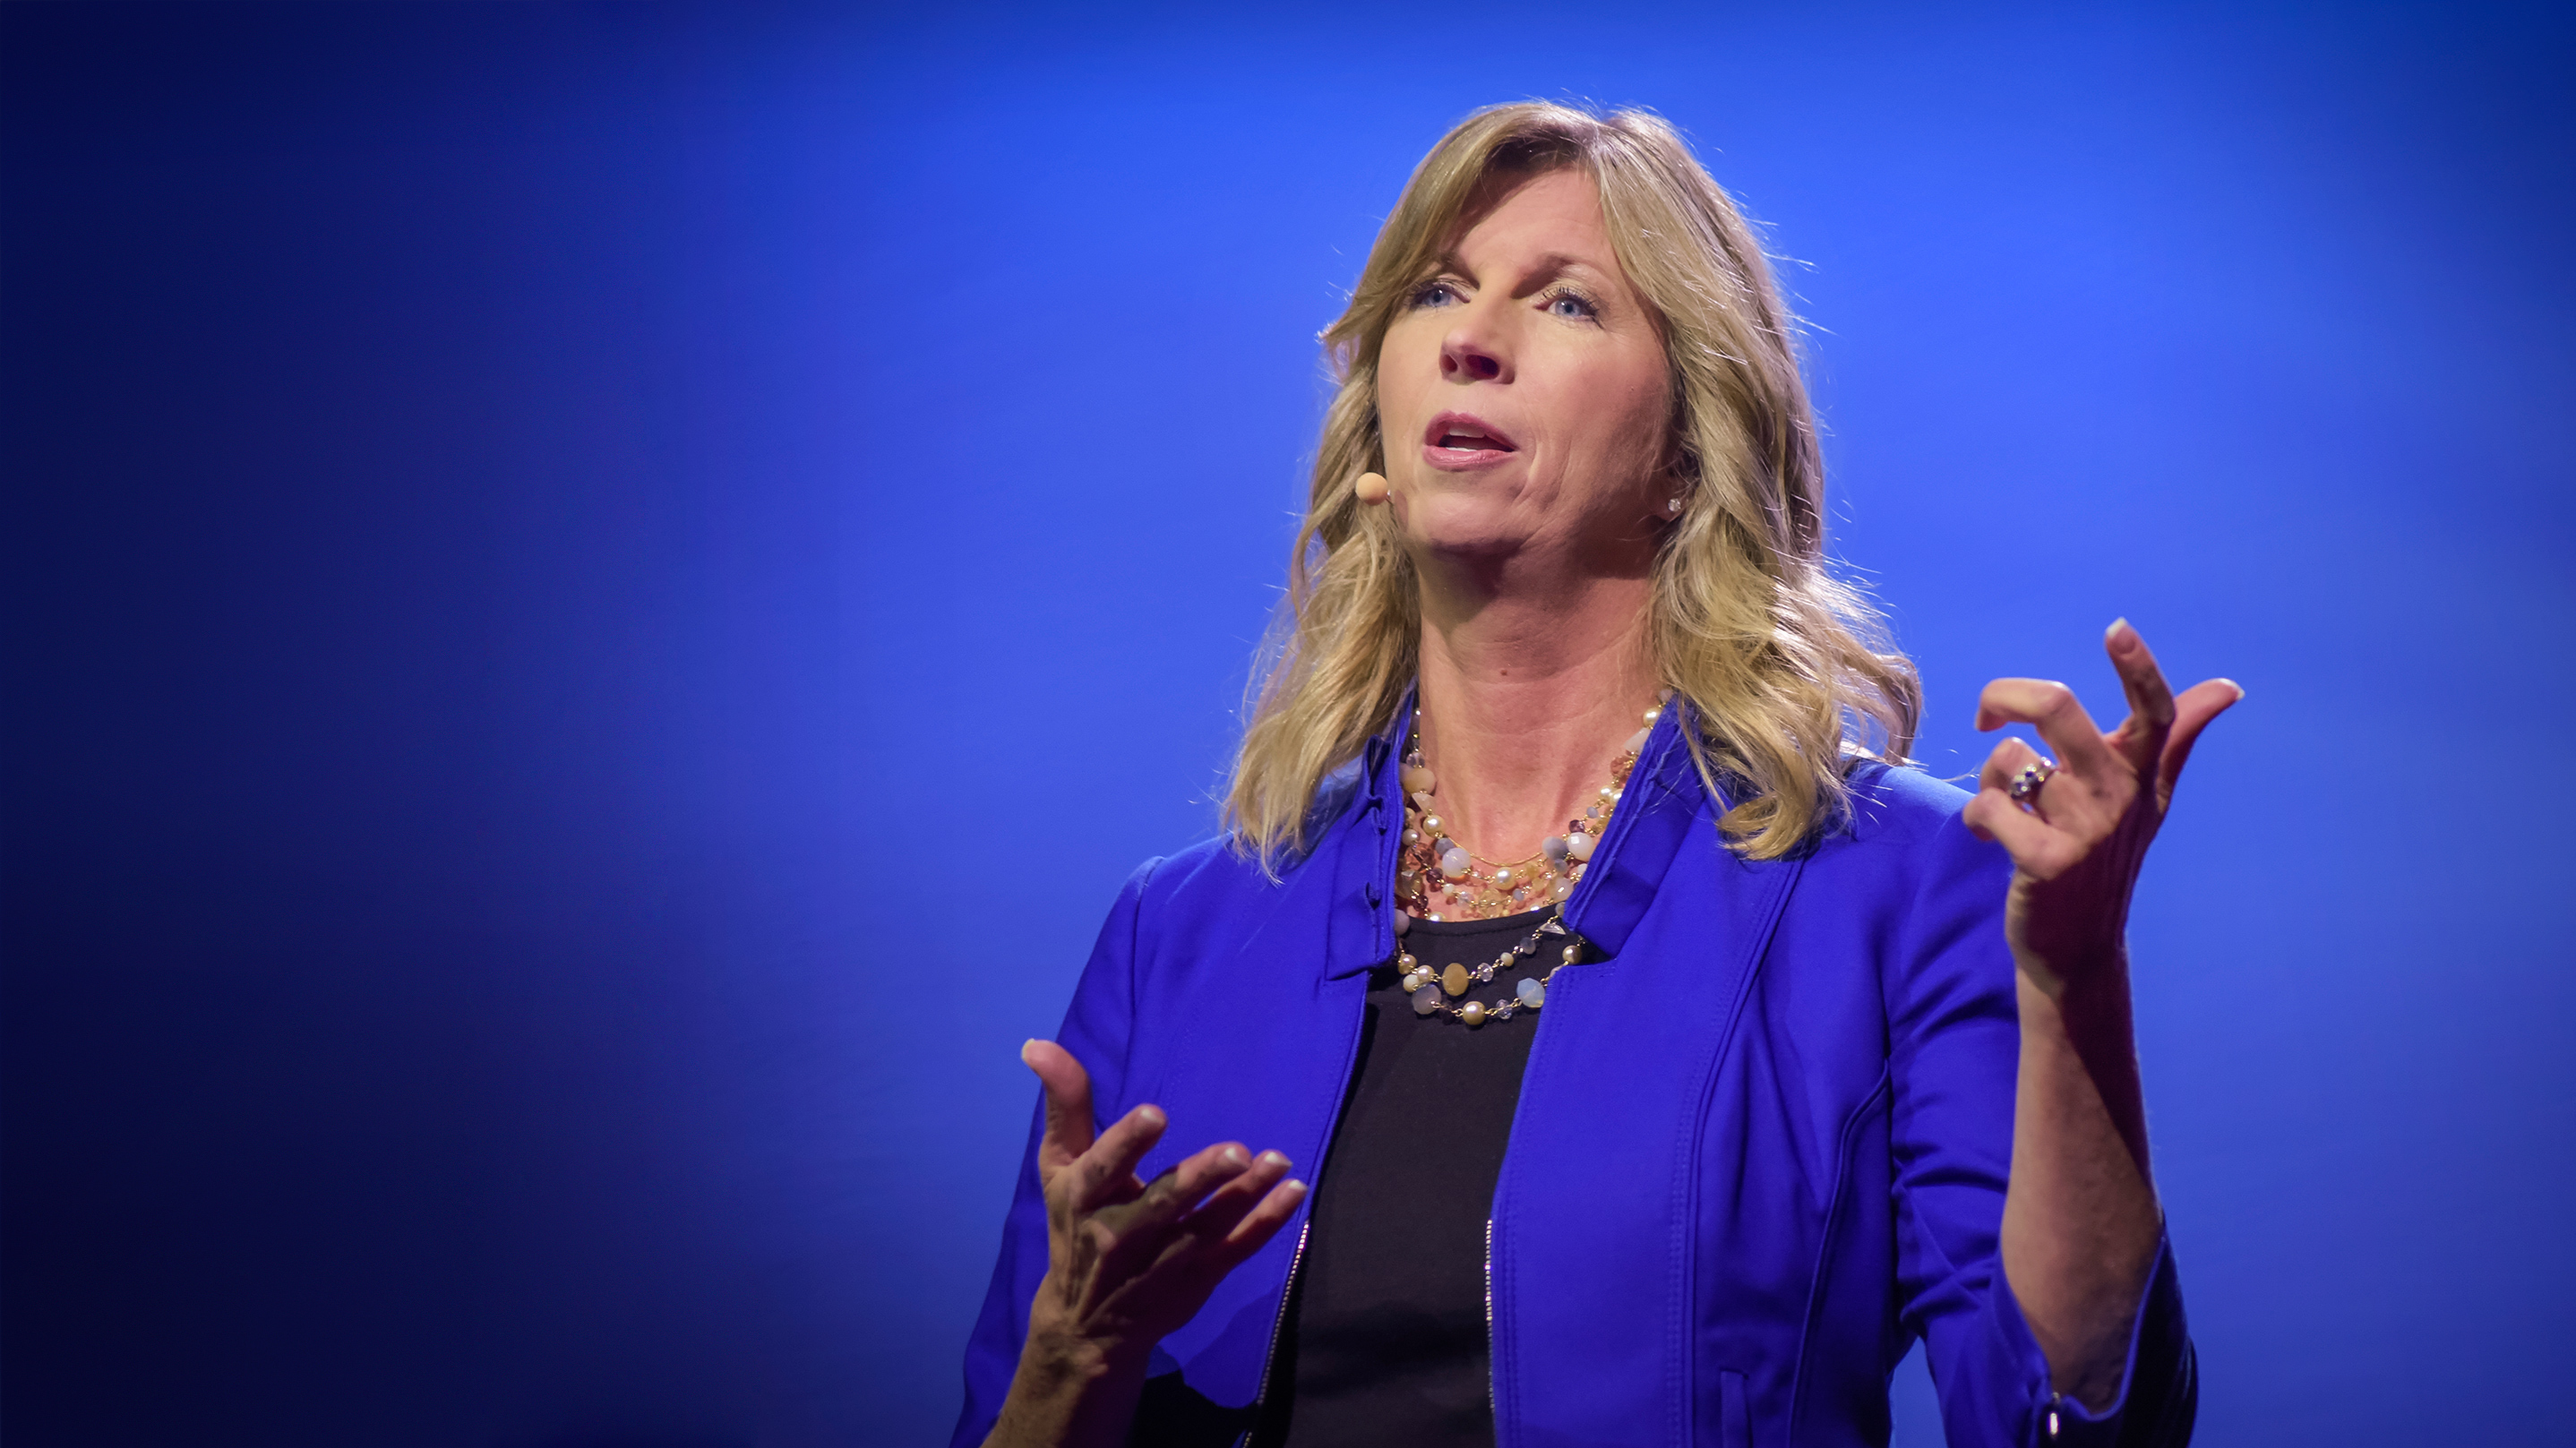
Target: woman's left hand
[(2077, 847)]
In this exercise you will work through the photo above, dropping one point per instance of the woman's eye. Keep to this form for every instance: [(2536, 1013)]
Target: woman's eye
[(1567, 304), (1435, 294)]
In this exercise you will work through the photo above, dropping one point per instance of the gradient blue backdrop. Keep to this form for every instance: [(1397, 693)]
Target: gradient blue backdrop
[(598, 598)]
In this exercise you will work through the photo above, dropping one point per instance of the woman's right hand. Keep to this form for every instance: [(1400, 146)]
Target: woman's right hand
[(1127, 1261)]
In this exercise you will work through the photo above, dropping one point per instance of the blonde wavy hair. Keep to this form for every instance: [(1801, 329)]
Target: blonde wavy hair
[(1786, 666)]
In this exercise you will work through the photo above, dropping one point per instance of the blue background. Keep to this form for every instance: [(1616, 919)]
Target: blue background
[(598, 598)]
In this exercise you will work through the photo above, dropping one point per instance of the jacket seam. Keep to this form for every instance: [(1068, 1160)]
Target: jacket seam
[(1879, 1095), (1129, 1086)]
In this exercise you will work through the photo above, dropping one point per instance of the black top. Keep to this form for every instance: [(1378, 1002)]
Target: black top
[(1386, 1334)]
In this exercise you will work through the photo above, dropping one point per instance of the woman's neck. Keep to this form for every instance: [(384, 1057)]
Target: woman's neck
[(1527, 699)]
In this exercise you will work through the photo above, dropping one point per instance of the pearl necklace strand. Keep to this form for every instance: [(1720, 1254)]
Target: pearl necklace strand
[(1432, 867)]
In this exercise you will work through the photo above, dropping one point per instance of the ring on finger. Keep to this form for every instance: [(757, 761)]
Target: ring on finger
[(2027, 784)]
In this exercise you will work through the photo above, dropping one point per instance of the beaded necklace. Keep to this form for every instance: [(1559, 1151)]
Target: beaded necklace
[(1433, 868)]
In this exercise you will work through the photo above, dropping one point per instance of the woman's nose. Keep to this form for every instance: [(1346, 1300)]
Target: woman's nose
[(1467, 354)]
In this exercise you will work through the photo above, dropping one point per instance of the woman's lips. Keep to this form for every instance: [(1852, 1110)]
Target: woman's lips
[(1458, 441)]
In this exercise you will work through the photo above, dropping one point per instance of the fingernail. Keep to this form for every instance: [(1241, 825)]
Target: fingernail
[(1272, 1158), (1149, 1115), (1293, 1185), (1025, 1047), (2112, 634), (2239, 688), (1231, 1156)]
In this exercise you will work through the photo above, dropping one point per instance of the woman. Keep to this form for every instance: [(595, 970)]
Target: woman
[(1671, 1057)]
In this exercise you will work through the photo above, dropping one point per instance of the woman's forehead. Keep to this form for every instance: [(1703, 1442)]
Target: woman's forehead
[(1557, 210)]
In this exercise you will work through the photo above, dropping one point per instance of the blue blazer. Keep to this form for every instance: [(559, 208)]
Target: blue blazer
[(1760, 1148)]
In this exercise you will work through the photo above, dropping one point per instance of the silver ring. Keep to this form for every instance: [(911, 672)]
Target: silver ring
[(2026, 785)]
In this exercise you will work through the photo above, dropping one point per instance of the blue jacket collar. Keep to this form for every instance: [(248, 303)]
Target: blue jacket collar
[(1359, 856), (1663, 795)]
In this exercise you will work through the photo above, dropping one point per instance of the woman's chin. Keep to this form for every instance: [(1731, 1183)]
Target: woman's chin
[(1469, 546)]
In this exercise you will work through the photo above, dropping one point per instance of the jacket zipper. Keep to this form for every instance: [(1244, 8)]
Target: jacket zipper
[(1279, 1319), (1493, 1399)]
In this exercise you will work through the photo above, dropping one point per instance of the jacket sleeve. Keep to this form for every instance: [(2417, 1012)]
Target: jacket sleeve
[(1954, 1045), (1095, 1030)]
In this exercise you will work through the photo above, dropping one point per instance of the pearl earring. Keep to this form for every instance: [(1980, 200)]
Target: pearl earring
[(1371, 488)]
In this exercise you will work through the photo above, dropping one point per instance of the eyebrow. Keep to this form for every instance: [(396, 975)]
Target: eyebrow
[(1548, 268)]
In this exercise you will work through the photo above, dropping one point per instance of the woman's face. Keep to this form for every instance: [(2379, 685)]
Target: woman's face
[(1523, 392)]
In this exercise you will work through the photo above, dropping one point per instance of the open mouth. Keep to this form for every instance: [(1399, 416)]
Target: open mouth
[(1460, 432)]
